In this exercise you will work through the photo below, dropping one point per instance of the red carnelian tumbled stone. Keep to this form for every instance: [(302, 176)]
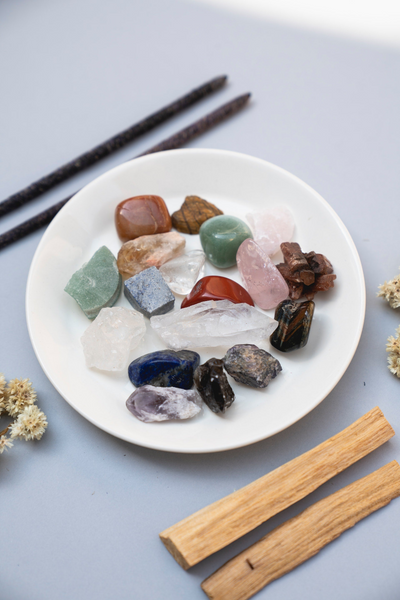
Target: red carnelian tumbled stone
[(214, 287), (141, 215)]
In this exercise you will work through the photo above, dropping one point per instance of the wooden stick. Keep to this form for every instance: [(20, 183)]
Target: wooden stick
[(177, 140), (109, 146), (228, 519), (303, 536)]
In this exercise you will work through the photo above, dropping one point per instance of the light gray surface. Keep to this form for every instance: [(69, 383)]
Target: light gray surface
[(81, 510)]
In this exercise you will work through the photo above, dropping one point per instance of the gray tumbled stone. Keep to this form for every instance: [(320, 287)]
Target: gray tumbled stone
[(148, 293)]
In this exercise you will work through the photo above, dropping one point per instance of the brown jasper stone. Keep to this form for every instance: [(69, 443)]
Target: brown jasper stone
[(192, 214), (141, 215)]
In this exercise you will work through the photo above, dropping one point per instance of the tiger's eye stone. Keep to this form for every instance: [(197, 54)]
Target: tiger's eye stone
[(221, 237), (193, 213), (214, 287), (141, 215), (294, 322)]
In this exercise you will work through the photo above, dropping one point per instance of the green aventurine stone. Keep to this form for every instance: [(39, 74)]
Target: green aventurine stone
[(221, 237), (97, 284)]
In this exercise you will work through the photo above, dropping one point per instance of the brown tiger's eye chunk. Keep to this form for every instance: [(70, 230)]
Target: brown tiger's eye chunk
[(141, 215), (192, 214)]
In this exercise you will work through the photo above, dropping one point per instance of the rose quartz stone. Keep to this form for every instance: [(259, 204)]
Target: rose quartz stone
[(271, 227), (260, 276)]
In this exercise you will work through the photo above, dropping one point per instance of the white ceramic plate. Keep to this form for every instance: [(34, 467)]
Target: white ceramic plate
[(237, 184)]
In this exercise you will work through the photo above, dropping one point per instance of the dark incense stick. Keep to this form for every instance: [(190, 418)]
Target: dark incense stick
[(108, 147), (175, 141)]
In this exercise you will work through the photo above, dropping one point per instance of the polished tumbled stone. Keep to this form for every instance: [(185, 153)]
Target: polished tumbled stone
[(193, 213), (213, 323), (294, 322), (181, 273), (97, 284), (149, 251), (251, 365), (141, 215), (221, 237), (271, 227), (260, 276), (148, 293), (165, 368), (152, 404), (109, 340), (214, 287), (213, 386)]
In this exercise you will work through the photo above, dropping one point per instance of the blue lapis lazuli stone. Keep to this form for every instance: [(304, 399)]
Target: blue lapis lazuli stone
[(165, 368)]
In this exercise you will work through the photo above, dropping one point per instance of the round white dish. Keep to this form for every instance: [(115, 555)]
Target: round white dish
[(237, 184)]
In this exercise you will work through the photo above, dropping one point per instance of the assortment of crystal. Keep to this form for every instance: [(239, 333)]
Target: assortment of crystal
[(181, 273), (217, 311), (109, 340), (152, 404), (213, 323)]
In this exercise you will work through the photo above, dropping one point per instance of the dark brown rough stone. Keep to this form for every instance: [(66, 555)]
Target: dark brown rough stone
[(213, 386), (192, 214)]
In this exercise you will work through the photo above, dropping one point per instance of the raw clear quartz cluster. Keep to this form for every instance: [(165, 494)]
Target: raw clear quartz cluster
[(109, 340), (213, 323)]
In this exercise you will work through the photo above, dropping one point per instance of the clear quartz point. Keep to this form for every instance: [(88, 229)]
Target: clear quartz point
[(181, 273)]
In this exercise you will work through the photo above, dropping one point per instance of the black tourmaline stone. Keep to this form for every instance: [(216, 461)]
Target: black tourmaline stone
[(251, 365), (294, 322), (213, 385)]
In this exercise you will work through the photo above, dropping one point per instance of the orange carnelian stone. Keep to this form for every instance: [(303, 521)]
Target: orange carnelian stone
[(214, 287), (141, 215)]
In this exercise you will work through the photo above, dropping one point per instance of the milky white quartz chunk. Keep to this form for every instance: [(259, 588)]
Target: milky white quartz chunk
[(213, 323), (109, 340), (271, 227), (181, 273)]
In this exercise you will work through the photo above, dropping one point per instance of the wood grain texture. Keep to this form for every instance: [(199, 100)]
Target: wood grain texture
[(303, 536), (217, 525)]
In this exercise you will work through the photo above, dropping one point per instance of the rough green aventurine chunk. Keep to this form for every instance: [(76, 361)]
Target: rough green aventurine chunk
[(97, 284), (221, 237)]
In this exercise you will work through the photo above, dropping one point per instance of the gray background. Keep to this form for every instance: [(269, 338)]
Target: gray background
[(81, 510)]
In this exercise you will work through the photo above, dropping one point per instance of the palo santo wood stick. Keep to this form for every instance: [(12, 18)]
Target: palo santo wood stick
[(301, 537), (215, 526)]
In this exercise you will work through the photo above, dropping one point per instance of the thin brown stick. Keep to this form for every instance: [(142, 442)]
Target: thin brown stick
[(228, 519), (303, 536)]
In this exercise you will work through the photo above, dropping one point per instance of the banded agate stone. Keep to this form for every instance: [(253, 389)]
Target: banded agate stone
[(141, 215), (164, 368), (97, 284), (214, 287), (294, 322), (221, 237)]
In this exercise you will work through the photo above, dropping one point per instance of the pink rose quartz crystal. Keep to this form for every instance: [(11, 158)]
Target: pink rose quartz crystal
[(260, 277), (271, 227)]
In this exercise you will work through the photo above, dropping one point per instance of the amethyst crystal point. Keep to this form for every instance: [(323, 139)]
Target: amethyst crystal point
[(165, 368), (294, 322), (149, 403), (251, 365), (148, 293), (213, 385)]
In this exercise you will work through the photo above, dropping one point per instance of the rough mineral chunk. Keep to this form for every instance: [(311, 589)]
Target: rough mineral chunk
[(165, 368), (149, 251), (108, 341), (214, 287), (261, 278), (97, 284), (181, 273), (221, 237), (251, 365), (213, 385), (149, 403), (148, 293), (294, 320), (271, 227), (213, 324), (193, 213), (141, 215)]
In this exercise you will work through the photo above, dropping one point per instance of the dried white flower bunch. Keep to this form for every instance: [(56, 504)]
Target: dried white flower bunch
[(17, 399), (391, 292)]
